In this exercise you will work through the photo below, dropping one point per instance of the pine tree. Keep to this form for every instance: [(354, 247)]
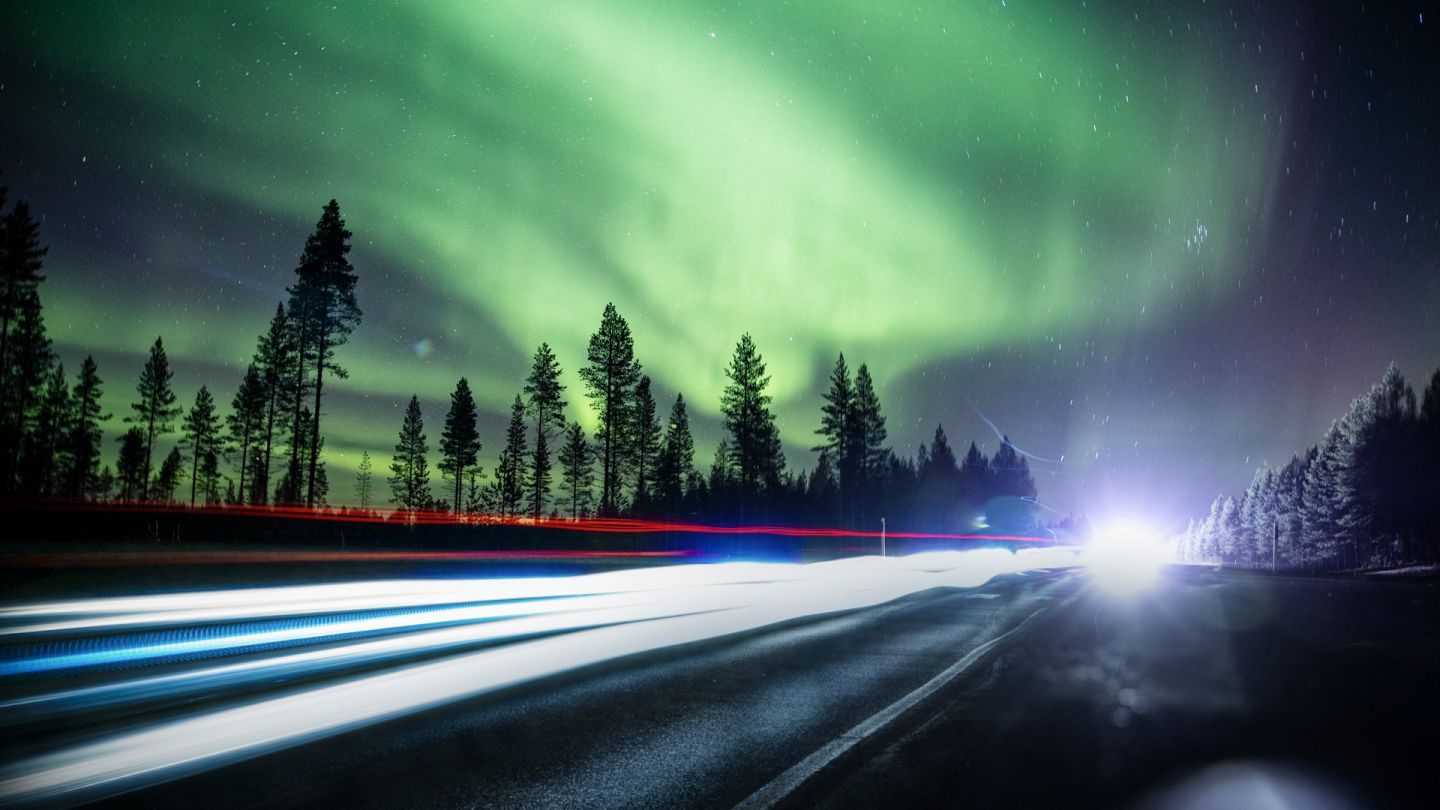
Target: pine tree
[(577, 469), (130, 466), (610, 378), (745, 407), (155, 410), (246, 422), (676, 464), (324, 293), (460, 439), (645, 443), (543, 392), (363, 478), (840, 431), (276, 360), (201, 431), (409, 473), (168, 478), (84, 433), (512, 472)]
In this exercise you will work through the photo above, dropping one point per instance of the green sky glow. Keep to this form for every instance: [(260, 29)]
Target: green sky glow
[(905, 185)]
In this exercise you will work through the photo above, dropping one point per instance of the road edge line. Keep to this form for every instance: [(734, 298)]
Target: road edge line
[(777, 789)]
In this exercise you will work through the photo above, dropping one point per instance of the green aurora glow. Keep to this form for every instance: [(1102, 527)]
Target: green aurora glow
[(904, 185)]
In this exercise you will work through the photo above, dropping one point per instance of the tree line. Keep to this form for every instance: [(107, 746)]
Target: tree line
[(51, 430), (1368, 495), (638, 464), (268, 448)]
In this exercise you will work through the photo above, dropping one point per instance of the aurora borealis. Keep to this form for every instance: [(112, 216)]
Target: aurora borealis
[(1159, 241)]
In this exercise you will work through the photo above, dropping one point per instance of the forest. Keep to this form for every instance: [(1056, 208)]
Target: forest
[(267, 448), (1367, 496)]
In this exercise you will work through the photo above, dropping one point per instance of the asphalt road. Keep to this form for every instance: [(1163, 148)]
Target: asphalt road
[(1036, 690)]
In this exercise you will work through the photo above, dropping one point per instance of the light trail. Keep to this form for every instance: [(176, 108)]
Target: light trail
[(593, 525), (108, 559), (500, 633)]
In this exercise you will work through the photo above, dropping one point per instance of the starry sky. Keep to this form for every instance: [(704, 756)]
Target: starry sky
[(1157, 243)]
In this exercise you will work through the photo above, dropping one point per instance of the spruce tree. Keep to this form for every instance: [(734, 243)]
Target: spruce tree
[(745, 407), (21, 259), (364, 475), (644, 443), (870, 454), (512, 472), (246, 422), (723, 478), (290, 490), (1011, 472), (475, 503), (104, 484), (1427, 481), (275, 360), (577, 469), (409, 472), (838, 428), (822, 488), (1256, 512), (155, 411), (324, 299), (84, 433), (940, 463), (22, 384), (1322, 499), (976, 483), (939, 485), (543, 392), (210, 479), (676, 465), (45, 457), (459, 440), (1376, 483), (130, 466), (1290, 510), (201, 432), (610, 378), (168, 478)]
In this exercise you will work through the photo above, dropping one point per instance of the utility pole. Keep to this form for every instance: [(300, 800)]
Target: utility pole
[(882, 538)]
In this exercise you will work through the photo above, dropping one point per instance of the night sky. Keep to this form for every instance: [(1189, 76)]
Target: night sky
[(1156, 243)]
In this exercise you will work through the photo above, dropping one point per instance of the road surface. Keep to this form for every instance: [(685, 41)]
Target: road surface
[(1037, 689)]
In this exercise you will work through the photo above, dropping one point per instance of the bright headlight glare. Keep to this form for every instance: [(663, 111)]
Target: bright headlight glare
[(1125, 556)]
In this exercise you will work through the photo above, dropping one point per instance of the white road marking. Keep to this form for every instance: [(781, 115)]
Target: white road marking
[(783, 785)]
